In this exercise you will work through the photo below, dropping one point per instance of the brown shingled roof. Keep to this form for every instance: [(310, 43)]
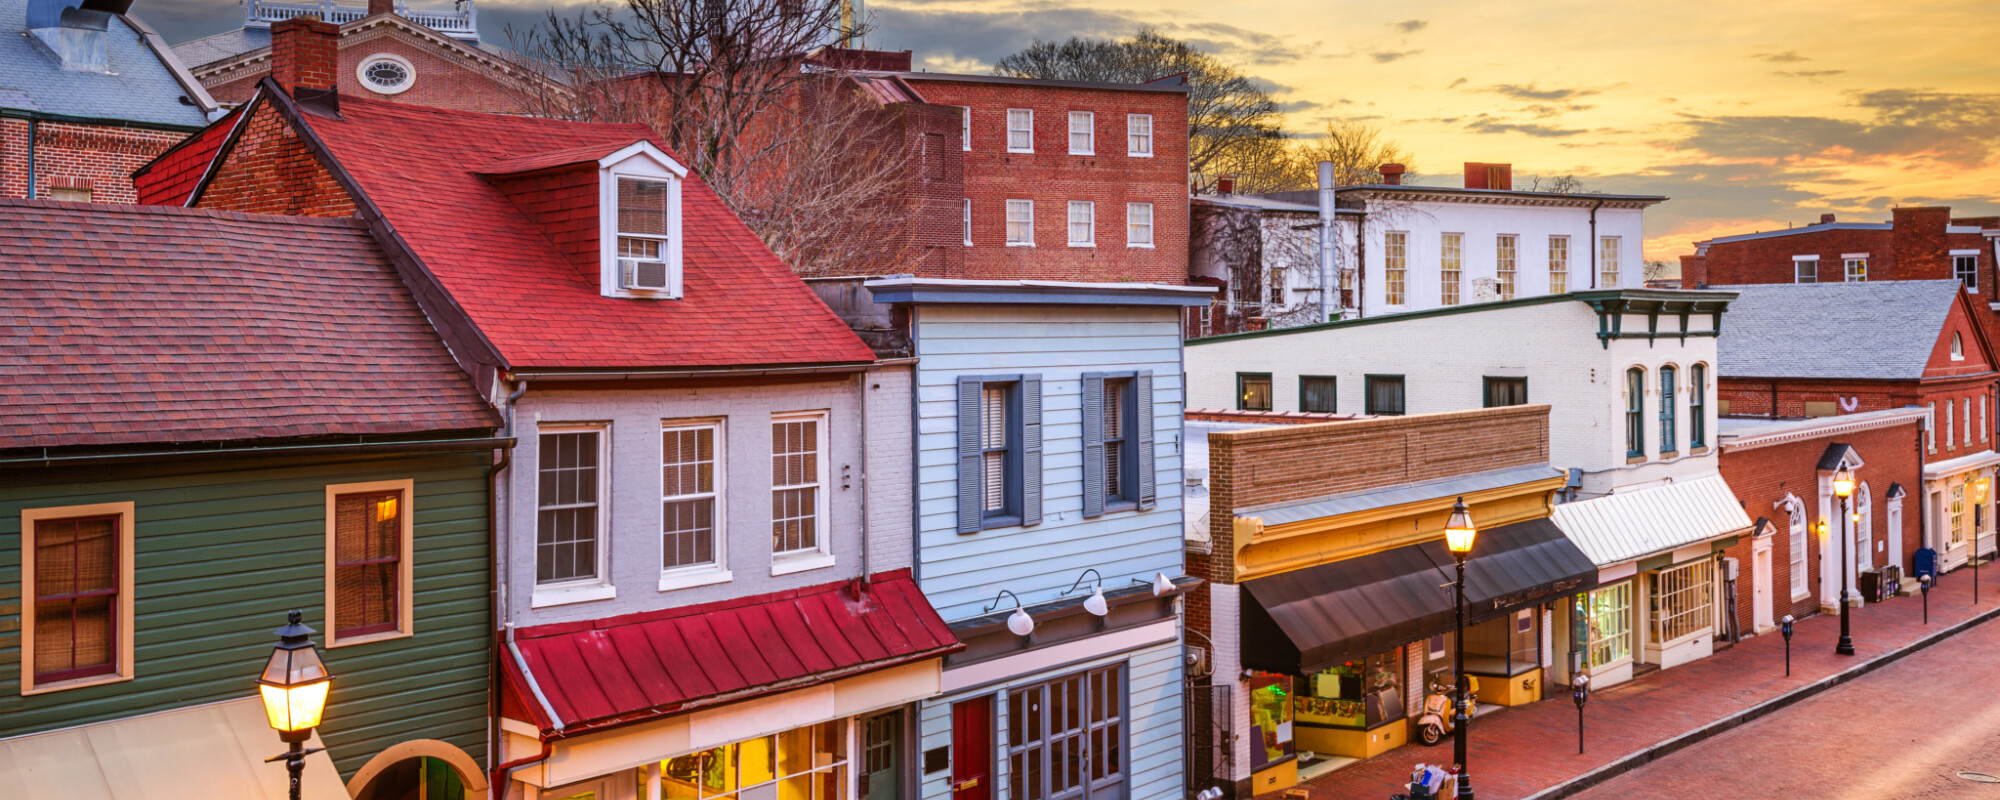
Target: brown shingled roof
[(124, 325)]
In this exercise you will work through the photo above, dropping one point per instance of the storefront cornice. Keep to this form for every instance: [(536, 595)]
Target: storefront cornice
[(1269, 549)]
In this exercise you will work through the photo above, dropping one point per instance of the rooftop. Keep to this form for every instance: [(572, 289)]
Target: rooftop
[(1880, 330), (142, 81)]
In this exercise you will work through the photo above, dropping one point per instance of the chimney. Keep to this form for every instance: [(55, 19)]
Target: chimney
[(1917, 242), (305, 54), (1825, 219), (1225, 185), (1489, 176), (1392, 174), (381, 7)]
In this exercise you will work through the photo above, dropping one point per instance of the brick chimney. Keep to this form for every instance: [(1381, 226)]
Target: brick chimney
[(1392, 174), (305, 54), (1225, 184), (1489, 176), (1917, 237), (381, 7), (1825, 219)]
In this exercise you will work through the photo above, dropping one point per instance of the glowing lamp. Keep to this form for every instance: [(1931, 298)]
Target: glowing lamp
[(1458, 530), (1843, 482), (295, 683)]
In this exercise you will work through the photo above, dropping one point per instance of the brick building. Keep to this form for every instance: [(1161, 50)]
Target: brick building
[(1783, 472), (387, 52), (86, 96), (1019, 179)]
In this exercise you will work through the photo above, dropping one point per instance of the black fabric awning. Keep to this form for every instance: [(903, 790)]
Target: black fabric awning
[(1309, 619)]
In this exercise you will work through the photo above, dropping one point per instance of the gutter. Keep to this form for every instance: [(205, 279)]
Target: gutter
[(647, 374), (16, 113), (423, 446)]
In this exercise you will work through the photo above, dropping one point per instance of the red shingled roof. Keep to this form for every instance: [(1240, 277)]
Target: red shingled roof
[(140, 324), (421, 167), (606, 672), (171, 176)]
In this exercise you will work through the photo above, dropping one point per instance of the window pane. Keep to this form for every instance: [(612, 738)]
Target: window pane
[(642, 207), (1316, 394), (367, 544), (1504, 266), (566, 528), (1385, 395), (1558, 264), (1449, 262), (1395, 257), (1254, 392), (75, 596)]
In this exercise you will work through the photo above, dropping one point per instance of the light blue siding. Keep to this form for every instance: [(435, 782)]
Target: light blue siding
[(961, 573)]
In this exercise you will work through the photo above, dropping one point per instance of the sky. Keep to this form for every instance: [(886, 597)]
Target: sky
[(1747, 115)]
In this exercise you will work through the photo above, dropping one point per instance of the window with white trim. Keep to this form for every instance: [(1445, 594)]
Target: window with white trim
[(1082, 223), (1450, 262), (1683, 599), (639, 236), (1139, 135), (1857, 269), (1957, 347), (690, 495), (968, 222), (1138, 224), (1020, 223), (1965, 408), (1805, 270), (1082, 133), (798, 480), (1957, 526), (1608, 248), (1020, 130), (1395, 271), (570, 504), (1930, 428), (965, 128), (1966, 269), (1950, 420), (1608, 615), (1796, 512), (1558, 264), (1503, 263)]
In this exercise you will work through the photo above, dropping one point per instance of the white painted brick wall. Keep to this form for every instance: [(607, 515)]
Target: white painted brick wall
[(889, 460)]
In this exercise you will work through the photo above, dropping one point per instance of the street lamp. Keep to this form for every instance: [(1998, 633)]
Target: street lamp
[(1579, 689), (1458, 537), (294, 686), (1785, 627), (1843, 487)]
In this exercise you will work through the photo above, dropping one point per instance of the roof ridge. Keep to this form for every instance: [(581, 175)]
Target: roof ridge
[(350, 223)]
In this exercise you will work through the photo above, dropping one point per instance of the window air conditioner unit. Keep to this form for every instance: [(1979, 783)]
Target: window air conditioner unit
[(640, 273)]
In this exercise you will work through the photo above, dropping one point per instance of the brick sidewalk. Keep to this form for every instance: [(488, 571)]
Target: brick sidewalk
[(1531, 750)]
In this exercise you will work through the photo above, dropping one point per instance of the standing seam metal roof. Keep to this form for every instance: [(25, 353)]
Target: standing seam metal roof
[(1621, 527)]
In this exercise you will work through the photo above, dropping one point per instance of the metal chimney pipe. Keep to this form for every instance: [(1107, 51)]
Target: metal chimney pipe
[(1328, 286)]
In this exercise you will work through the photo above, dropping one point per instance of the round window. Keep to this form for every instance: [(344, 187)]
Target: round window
[(386, 74)]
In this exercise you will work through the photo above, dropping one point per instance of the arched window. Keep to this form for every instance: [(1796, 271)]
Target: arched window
[(1797, 513), (1697, 406), (1635, 400), (1864, 528), (1957, 347), (1668, 441)]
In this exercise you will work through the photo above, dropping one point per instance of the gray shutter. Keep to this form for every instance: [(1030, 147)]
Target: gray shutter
[(971, 512), (1093, 444), (1142, 390), (1031, 450)]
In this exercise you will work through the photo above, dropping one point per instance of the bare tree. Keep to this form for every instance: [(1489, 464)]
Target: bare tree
[(1557, 184), (735, 90), (1356, 149), (1660, 271), (1226, 111)]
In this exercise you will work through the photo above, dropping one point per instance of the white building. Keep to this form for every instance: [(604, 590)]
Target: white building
[(1629, 375)]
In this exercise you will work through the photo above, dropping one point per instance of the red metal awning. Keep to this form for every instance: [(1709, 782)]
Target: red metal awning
[(608, 672)]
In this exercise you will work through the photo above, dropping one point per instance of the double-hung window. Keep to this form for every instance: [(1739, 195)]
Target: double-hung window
[(1020, 130), (1635, 425), (1274, 286), (1795, 512), (1395, 266), (77, 616), (1253, 391), (1020, 223), (1669, 442), (643, 225), (968, 221), (1965, 267), (1316, 394), (1697, 406), (1558, 264), (798, 483), (1082, 133), (368, 568), (1117, 442), (690, 491), (569, 505), (1138, 224), (999, 451), (1503, 263), (1805, 269), (1608, 248), (965, 128), (1139, 135), (1384, 395), (1450, 262), (639, 224), (1857, 268), (1082, 223)]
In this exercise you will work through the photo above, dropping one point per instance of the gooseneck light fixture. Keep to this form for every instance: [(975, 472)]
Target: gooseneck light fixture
[(1095, 603), (1018, 622)]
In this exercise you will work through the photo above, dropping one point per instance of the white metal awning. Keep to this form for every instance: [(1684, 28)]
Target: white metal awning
[(199, 753), (1625, 526), (1938, 469)]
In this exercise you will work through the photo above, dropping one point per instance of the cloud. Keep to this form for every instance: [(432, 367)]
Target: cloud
[(1386, 56), (1809, 73), (1787, 57), (1960, 129), (1410, 25), (1240, 45), (1296, 106), (1457, 83), (1533, 91), (1488, 124)]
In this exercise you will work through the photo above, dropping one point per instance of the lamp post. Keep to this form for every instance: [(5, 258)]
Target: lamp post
[(294, 687), (1785, 627), (1579, 689), (1924, 583), (1843, 486), (1458, 536)]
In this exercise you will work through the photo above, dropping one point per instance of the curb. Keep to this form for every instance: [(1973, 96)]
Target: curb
[(1632, 761)]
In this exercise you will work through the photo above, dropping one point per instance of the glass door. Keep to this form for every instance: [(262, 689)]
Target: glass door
[(1066, 738), (881, 755)]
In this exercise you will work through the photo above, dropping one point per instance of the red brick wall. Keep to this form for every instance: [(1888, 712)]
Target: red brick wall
[(1761, 476), (443, 79), (270, 171), (101, 154), (1919, 239), (1750, 397), (1052, 177)]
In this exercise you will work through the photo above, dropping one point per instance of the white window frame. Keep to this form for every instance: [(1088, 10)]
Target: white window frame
[(1853, 264), (965, 128), (1088, 220), (1628, 591), (643, 161), (1966, 426), (1396, 268), (820, 555), (1959, 255), (968, 222), (1089, 133), (1027, 115), (1559, 267), (1451, 269), (126, 588), (1506, 261), (1132, 122), (1610, 261), (581, 590), (1930, 427), (409, 75), (1029, 223), (1132, 224), (1800, 263), (405, 565), (717, 571), (1795, 512)]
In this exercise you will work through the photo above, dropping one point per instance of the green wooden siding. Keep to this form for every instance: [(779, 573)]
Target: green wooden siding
[(221, 556)]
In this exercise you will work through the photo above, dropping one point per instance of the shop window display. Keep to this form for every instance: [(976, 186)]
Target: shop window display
[(1362, 693), (807, 763), (1271, 718), (1608, 612)]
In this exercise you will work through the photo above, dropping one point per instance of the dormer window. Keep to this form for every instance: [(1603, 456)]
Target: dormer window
[(640, 223)]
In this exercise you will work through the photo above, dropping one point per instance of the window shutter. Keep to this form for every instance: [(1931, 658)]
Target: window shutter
[(1142, 418), (970, 511), (1093, 444), (1031, 450)]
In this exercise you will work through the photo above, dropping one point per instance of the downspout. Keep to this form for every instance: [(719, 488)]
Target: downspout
[(1360, 265), (497, 786), (1924, 496), (1774, 399), (861, 384), (32, 124), (497, 549), (1593, 262)]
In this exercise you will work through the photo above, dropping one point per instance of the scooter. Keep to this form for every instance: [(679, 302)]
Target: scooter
[(1436, 720)]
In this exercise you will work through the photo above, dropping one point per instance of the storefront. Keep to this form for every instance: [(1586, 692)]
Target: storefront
[(1340, 655), (1961, 507), (806, 695)]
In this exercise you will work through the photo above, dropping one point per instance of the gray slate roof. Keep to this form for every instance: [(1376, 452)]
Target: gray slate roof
[(1876, 329), (227, 44), (139, 88)]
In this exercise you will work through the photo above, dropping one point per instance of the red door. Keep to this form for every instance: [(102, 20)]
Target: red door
[(972, 749)]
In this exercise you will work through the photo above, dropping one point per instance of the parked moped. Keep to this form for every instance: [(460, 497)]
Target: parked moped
[(1436, 720)]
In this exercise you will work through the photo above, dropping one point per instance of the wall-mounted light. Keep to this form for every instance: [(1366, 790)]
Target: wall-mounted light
[(1095, 603), (1019, 622)]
